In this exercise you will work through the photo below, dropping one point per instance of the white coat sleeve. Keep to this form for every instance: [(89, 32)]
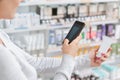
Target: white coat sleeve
[(47, 63), (63, 67), (9, 67)]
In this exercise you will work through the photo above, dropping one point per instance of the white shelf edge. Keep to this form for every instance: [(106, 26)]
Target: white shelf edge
[(104, 22), (62, 2)]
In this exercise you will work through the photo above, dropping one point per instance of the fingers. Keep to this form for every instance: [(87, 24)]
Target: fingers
[(76, 41), (66, 42), (94, 52), (109, 50), (98, 61), (103, 58), (106, 55)]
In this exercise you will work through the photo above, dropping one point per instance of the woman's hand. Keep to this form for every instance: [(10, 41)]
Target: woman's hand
[(72, 48), (97, 61)]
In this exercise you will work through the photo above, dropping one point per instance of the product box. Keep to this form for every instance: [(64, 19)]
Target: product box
[(99, 32), (112, 10), (83, 10), (118, 48), (101, 9), (58, 36), (110, 30), (51, 40), (112, 70), (116, 10), (46, 12), (114, 48), (93, 10), (94, 32), (72, 11), (61, 11)]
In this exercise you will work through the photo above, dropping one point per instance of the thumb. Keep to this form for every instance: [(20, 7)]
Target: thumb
[(66, 41)]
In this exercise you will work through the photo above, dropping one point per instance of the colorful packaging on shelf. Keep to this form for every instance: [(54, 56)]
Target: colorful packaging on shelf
[(102, 75), (103, 30), (114, 48), (111, 69), (110, 30), (118, 48), (99, 32)]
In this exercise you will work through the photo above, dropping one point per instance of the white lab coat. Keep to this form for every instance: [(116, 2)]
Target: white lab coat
[(16, 64)]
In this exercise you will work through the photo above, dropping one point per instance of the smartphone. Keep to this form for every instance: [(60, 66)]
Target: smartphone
[(75, 31)]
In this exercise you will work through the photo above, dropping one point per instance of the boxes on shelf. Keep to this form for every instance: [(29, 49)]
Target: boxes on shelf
[(118, 48), (110, 30), (52, 39), (23, 20), (117, 32), (101, 8), (83, 10), (93, 9), (114, 48), (72, 11), (112, 10)]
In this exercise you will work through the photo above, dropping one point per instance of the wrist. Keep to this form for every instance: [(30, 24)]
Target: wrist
[(70, 54)]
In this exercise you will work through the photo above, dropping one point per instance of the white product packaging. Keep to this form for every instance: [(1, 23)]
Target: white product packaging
[(105, 45)]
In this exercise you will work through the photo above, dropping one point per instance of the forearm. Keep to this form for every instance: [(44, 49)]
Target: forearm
[(66, 68), (46, 64), (82, 61)]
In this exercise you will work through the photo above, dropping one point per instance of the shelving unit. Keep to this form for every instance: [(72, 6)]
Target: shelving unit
[(49, 27), (45, 28), (56, 50), (63, 2), (33, 37)]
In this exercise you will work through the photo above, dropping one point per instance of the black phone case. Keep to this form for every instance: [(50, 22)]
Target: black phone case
[(75, 31)]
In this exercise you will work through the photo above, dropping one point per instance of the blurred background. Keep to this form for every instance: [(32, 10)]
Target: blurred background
[(40, 26)]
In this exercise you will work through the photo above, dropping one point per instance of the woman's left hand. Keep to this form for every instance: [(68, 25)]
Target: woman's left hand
[(97, 61)]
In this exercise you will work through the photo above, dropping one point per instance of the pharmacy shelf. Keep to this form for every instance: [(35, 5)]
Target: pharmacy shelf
[(37, 28), (62, 2), (52, 27), (55, 51)]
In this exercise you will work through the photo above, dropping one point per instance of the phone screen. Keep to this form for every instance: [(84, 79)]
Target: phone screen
[(75, 31)]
